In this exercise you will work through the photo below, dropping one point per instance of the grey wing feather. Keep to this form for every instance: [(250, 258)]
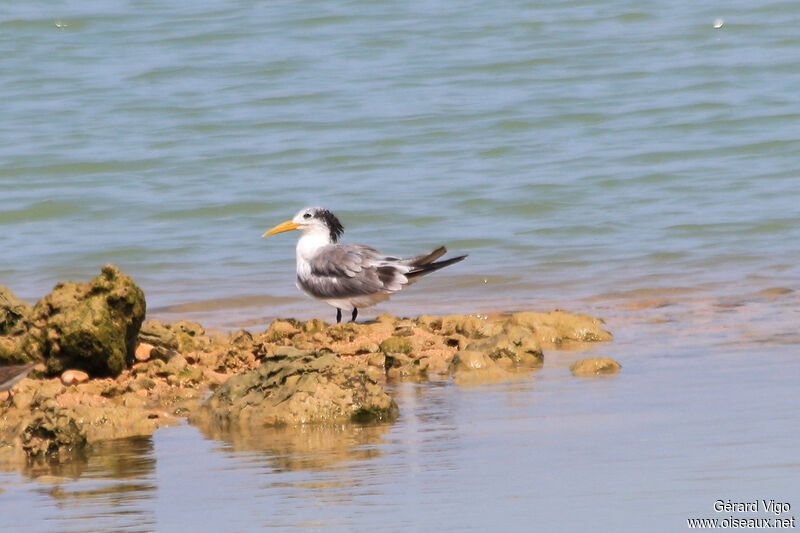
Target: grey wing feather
[(341, 260), (347, 270)]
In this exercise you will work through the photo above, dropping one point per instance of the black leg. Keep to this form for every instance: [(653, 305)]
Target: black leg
[(338, 315), (355, 314)]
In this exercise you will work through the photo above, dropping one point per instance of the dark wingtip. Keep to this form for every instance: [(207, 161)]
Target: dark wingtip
[(455, 259)]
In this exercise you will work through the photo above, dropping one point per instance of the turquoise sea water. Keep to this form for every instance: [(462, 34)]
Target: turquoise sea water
[(586, 155), (570, 149)]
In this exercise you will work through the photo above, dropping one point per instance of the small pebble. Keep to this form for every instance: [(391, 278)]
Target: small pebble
[(74, 377), (143, 351)]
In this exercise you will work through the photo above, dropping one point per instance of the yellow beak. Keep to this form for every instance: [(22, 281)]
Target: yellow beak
[(280, 228)]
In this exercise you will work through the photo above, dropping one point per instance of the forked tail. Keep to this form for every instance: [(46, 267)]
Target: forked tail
[(422, 268)]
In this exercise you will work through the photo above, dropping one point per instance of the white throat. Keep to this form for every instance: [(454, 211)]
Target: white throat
[(309, 244)]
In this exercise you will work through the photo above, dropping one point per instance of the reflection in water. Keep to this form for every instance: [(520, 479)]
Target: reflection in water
[(305, 448), (301, 472), (109, 489)]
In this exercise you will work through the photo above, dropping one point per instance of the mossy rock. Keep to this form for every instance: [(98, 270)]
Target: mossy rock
[(90, 326), (314, 325), (190, 336), (474, 367), (559, 327), (595, 366), (301, 390), (369, 347), (346, 331), (288, 352), (395, 345), (282, 329), (469, 326), (158, 334), (402, 366), (514, 347), (13, 312), (53, 432), (14, 315)]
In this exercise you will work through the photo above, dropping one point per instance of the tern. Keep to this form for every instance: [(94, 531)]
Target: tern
[(350, 276)]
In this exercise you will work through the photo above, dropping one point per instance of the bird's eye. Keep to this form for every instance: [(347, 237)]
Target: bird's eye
[(307, 215)]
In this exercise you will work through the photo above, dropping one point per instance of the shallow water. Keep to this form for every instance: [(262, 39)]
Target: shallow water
[(570, 149), (705, 408), (626, 159)]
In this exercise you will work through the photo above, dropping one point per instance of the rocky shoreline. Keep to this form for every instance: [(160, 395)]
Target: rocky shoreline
[(104, 372)]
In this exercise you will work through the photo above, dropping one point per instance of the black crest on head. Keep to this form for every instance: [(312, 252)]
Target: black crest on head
[(332, 222)]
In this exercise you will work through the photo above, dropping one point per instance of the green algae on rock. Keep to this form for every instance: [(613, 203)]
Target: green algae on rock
[(91, 326), (512, 348), (302, 390), (14, 315), (399, 366), (282, 329), (395, 345), (52, 431), (469, 326), (12, 311)]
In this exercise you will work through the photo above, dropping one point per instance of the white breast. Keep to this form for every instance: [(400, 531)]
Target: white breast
[(307, 247)]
